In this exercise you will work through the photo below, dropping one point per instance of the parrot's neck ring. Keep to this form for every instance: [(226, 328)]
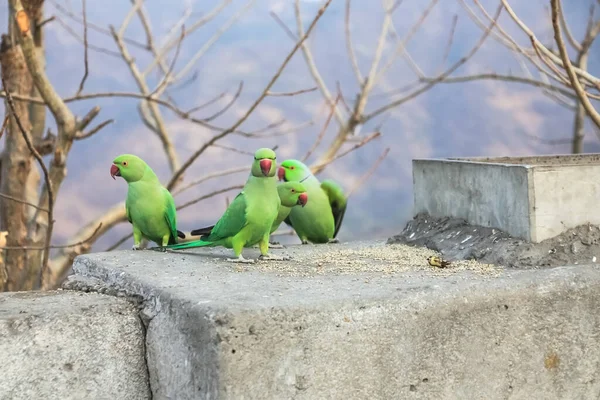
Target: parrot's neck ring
[(305, 178)]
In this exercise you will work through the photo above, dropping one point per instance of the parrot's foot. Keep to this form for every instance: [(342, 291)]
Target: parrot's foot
[(241, 259), (276, 245), (271, 257), (334, 240), (135, 247), (161, 249), (305, 242)]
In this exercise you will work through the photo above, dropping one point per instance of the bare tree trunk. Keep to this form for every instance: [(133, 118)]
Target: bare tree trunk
[(16, 165), (580, 113), (37, 117)]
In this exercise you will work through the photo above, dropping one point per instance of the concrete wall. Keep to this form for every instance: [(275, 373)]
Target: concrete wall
[(279, 331), (68, 345), (533, 198), (492, 195), (564, 197)]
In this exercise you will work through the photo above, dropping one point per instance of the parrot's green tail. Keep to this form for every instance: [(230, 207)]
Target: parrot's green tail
[(188, 245)]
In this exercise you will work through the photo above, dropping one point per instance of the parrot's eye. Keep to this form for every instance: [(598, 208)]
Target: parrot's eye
[(292, 167), (293, 190), (124, 163)]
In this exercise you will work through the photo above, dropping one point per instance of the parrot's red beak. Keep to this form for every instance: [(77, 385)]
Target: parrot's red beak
[(281, 174), (265, 166), (114, 171), (303, 199)]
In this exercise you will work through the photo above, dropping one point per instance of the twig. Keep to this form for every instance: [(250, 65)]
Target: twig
[(63, 246), (451, 38), (4, 123), (264, 132), (167, 77), (228, 105), (214, 100), (177, 175), (207, 196), (312, 67), (94, 27), (370, 172), (440, 77), (94, 130), (349, 47), (119, 242), (323, 130), (284, 94), (49, 188), (47, 20), (319, 167), (6, 196), (208, 177), (283, 26), (74, 34), (85, 49)]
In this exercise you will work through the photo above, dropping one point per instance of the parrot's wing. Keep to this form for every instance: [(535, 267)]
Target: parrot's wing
[(171, 216), (337, 201), (127, 212), (232, 221)]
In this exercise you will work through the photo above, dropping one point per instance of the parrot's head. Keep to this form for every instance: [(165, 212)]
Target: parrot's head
[(292, 194), (264, 163), (293, 170), (129, 167)]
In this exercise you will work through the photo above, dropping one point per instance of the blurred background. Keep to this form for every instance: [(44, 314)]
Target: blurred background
[(246, 41)]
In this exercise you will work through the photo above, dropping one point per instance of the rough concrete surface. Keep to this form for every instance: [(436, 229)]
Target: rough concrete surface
[(357, 321), (458, 240), (67, 345), (532, 198)]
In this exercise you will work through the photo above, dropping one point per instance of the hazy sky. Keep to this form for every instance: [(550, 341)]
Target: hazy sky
[(483, 118)]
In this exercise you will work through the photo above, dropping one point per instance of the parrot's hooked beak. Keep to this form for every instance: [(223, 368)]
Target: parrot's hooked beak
[(265, 166), (303, 199), (281, 174), (114, 171)]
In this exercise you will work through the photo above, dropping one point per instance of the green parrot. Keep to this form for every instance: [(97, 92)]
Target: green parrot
[(290, 195), (321, 219), (149, 206), (248, 219)]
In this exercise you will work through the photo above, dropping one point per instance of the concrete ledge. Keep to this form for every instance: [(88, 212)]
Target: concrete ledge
[(67, 345), (533, 198), (364, 320)]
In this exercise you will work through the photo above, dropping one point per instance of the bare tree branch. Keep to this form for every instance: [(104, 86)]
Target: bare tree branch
[(440, 77), (85, 49), (320, 166), (190, 161), (583, 98), (294, 93), (49, 189), (370, 172), (323, 130), (62, 246), (349, 46), (8, 197)]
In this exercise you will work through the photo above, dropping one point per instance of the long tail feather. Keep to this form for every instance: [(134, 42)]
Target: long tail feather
[(195, 243)]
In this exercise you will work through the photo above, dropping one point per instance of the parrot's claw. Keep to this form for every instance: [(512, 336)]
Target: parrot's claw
[(241, 259), (135, 247), (334, 240), (276, 245), (305, 242), (271, 257)]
